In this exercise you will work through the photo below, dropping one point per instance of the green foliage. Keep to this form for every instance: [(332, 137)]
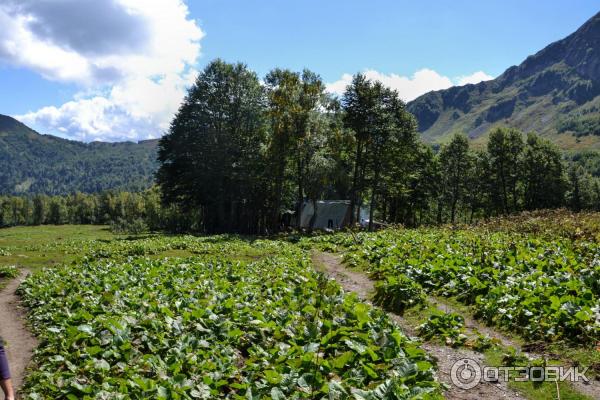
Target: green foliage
[(127, 212), (455, 163), (505, 147), (122, 326), (482, 343), (543, 174), (398, 293), (31, 163), (548, 225), (8, 271), (294, 100), (589, 160), (134, 227), (448, 327), (543, 288), (211, 158), (512, 357), (579, 125), (384, 138)]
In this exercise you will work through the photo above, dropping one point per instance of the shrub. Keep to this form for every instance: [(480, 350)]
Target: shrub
[(398, 293)]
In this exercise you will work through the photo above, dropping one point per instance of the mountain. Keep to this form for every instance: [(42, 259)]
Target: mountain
[(34, 163), (555, 92)]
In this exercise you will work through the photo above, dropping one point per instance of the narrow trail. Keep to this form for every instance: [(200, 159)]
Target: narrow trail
[(19, 342), (445, 356), (591, 388)]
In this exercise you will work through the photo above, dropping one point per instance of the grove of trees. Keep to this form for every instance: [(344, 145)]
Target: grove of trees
[(124, 211), (242, 151)]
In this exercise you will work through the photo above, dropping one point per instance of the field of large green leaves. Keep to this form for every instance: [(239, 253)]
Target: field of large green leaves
[(185, 317), (231, 319), (543, 287)]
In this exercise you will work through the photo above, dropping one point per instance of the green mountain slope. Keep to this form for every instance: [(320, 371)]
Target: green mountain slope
[(34, 163), (555, 92)]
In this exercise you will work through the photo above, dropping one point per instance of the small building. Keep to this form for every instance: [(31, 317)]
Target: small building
[(331, 214)]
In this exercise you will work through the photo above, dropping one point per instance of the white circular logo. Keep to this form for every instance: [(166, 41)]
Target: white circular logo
[(466, 373)]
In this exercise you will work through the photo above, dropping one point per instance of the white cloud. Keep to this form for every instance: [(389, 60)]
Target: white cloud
[(409, 88), (133, 67), (476, 77)]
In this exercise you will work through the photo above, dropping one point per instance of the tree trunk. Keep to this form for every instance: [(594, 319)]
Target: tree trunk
[(453, 211), (354, 194), (373, 195), (371, 211), (313, 219), (514, 195), (300, 198), (504, 192), (278, 190)]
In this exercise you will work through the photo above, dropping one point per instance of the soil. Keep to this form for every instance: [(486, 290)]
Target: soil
[(19, 342)]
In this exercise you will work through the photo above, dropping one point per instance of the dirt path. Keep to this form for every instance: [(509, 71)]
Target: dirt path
[(20, 343), (359, 283)]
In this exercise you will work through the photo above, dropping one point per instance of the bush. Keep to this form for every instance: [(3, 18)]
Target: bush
[(134, 227), (8, 271), (398, 293), (447, 326)]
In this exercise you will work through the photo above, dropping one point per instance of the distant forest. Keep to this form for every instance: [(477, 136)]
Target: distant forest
[(241, 151), (31, 163)]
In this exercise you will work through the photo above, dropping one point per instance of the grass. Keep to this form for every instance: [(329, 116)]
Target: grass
[(566, 353), (51, 245), (495, 355), (537, 391), (36, 247)]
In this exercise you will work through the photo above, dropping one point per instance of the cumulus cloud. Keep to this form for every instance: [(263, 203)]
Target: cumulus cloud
[(476, 77), (135, 110), (135, 57), (409, 88)]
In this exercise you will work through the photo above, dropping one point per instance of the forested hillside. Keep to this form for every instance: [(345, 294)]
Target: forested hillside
[(555, 92), (32, 163)]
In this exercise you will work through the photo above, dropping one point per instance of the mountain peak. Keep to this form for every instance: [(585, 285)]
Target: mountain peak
[(579, 50), (9, 123), (548, 92)]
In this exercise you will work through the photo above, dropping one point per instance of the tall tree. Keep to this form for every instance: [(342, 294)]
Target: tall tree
[(456, 163), (283, 93), (295, 103), (40, 209), (211, 156), (505, 147), (543, 174), (581, 194), (480, 186), (306, 116), (359, 103), (392, 141)]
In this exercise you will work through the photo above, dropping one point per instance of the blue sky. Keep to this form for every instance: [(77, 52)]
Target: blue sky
[(117, 69)]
